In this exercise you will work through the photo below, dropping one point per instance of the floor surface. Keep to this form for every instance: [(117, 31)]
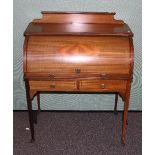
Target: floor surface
[(78, 133)]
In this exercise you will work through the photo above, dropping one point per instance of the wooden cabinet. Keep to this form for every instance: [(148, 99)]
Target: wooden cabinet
[(78, 52)]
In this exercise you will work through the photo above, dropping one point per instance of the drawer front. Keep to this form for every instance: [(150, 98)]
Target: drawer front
[(102, 85), (57, 85), (81, 85)]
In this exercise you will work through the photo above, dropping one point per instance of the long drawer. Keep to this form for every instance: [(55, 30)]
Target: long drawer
[(79, 85)]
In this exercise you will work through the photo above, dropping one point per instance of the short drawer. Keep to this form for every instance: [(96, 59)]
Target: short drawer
[(55, 85), (103, 85)]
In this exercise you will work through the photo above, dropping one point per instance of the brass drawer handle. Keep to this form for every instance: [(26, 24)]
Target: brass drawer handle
[(52, 86), (103, 86), (51, 76), (77, 70)]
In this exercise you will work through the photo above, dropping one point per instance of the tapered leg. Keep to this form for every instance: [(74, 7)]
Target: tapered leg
[(38, 111), (30, 112), (38, 101), (123, 117), (115, 107), (126, 105)]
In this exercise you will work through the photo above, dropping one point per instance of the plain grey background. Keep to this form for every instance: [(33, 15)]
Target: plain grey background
[(26, 10)]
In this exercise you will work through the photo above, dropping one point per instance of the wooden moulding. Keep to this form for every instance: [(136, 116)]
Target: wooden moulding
[(25, 54), (77, 23), (77, 17), (131, 56)]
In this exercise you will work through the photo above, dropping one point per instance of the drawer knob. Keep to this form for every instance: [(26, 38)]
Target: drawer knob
[(52, 86), (103, 86), (77, 70), (103, 75)]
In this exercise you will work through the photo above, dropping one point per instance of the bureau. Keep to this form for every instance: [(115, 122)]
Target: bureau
[(78, 52)]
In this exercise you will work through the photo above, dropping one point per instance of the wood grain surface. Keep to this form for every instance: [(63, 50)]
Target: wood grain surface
[(54, 54), (77, 23), (78, 17)]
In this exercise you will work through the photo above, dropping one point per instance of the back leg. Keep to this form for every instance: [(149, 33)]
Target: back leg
[(115, 107), (38, 101)]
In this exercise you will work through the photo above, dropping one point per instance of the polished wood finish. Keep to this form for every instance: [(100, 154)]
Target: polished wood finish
[(126, 105), (56, 85), (76, 23), (82, 52), (62, 17), (78, 52), (90, 29), (103, 85), (29, 105)]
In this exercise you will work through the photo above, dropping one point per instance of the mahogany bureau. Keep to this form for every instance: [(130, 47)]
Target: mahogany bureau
[(78, 52)]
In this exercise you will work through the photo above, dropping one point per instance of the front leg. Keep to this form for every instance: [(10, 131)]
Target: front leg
[(30, 112), (35, 115), (126, 105)]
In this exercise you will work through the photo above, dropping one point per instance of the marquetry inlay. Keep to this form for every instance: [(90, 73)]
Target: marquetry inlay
[(78, 49)]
